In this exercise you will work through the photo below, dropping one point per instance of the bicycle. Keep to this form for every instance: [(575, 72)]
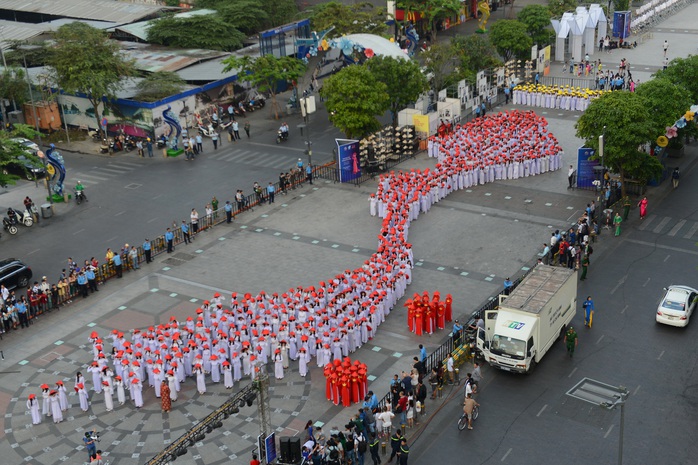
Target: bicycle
[(463, 420)]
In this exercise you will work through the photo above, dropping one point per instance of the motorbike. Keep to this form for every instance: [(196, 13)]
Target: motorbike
[(114, 146), (95, 134), (161, 142), (104, 147), (207, 131), (80, 196), (281, 136), (129, 144), (237, 111), (24, 217), (8, 226)]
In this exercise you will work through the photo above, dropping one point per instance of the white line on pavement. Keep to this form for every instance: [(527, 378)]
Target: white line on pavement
[(600, 339), (646, 282), (570, 375), (608, 432), (660, 355), (620, 283), (507, 454), (542, 410)]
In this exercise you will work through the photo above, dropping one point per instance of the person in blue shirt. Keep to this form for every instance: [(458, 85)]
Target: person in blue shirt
[(422, 353), (457, 330), (21, 308), (271, 190), (477, 111), (91, 278), (373, 402), (82, 284), (118, 265), (309, 174), (147, 250), (588, 310), (169, 237), (185, 232), (508, 286), (228, 212), (483, 109)]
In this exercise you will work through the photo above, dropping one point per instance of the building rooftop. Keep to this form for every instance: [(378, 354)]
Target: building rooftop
[(100, 10), (153, 58)]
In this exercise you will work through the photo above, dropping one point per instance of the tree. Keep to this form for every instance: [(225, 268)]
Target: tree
[(248, 16), (476, 52), (558, 7), (279, 12), (202, 31), (361, 17), (439, 61), (10, 150), (625, 121), (85, 61), (13, 86), (434, 11), (665, 101), (684, 73), (158, 85), (404, 81), (36, 54), (621, 5), (354, 98), (510, 38), (266, 73), (537, 21)]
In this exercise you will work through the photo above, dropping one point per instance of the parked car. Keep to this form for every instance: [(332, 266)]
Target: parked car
[(14, 273), (23, 165), (677, 305), (31, 146)]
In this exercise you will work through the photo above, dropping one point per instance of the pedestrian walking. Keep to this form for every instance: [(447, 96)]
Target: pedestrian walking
[(675, 175), (643, 207), (617, 220), (149, 147), (571, 341), (404, 452), (236, 131), (588, 306), (185, 232), (585, 266), (169, 238), (626, 207), (199, 143), (570, 177), (139, 146), (214, 139), (247, 129)]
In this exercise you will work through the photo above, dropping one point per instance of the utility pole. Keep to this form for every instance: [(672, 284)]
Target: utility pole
[(308, 143), (263, 411)]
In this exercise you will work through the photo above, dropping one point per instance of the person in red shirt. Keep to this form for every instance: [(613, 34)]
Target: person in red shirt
[(254, 460)]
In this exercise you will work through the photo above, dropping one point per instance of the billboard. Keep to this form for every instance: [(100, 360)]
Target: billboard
[(621, 24), (585, 167), (348, 159)]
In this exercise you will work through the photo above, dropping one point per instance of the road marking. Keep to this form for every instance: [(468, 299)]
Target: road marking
[(636, 389), (661, 224), (542, 409), (32, 252), (608, 432), (507, 454), (691, 232), (157, 197), (646, 282), (275, 145), (111, 239), (661, 246), (620, 283), (624, 309), (667, 258), (570, 375), (120, 213), (600, 339), (646, 222), (78, 231), (676, 228), (660, 355), (111, 171), (152, 219)]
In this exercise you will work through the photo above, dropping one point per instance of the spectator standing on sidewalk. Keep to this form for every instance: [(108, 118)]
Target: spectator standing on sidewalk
[(270, 192), (247, 128), (185, 232), (228, 211), (147, 250), (194, 221)]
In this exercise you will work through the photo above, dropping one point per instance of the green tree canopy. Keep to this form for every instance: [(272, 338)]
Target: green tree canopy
[(266, 72), (159, 85), (10, 150), (13, 85), (248, 16), (666, 102), (361, 17), (510, 38), (684, 73), (85, 61), (537, 21), (403, 79), (440, 61), (36, 53), (204, 31), (625, 121), (558, 7), (354, 98), (476, 52)]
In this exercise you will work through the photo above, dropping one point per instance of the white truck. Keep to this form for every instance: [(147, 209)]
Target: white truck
[(527, 322)]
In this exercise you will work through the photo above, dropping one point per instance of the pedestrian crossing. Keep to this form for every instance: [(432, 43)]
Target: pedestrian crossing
[(253, 158), (98, 174), (672, 227)]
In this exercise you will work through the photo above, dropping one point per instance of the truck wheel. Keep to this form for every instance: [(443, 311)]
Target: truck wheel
[(532, 367)]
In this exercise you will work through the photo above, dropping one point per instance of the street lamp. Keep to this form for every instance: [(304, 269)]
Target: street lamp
[(620, 399), (308, 143)]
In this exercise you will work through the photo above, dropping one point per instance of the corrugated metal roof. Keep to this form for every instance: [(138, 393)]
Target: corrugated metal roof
[(152, 58), (100, 10), (11, 30), (140, 29), (211, 70)]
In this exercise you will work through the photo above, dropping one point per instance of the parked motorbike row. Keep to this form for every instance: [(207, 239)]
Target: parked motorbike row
[(16, 217), (124, 143), (249, 105)]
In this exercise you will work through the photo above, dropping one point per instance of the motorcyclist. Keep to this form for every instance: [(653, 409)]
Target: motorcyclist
[(284, 131), (81, 189), (11, 215)]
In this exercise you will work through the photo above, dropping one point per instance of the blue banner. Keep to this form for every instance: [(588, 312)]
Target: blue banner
[(348, 159), (585, 167), (621, 24)]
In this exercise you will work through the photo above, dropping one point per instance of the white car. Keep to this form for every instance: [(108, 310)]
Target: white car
[(676, 305), (31, 146)]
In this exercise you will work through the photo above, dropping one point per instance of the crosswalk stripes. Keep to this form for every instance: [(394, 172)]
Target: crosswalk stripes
[(254, 158), (105, 173), (669, 226)]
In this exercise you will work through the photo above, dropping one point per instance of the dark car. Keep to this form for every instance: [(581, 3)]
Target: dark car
[(14, 273)]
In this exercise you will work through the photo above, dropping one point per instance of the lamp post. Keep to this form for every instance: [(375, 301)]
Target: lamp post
[(620, 399), (308, 143)]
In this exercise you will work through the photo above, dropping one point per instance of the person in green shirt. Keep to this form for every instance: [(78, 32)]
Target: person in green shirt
[(617, 220), (571, 340), (214, 206), (585, 266)]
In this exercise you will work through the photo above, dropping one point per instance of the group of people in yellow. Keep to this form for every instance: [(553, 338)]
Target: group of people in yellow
[(560, 97)]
